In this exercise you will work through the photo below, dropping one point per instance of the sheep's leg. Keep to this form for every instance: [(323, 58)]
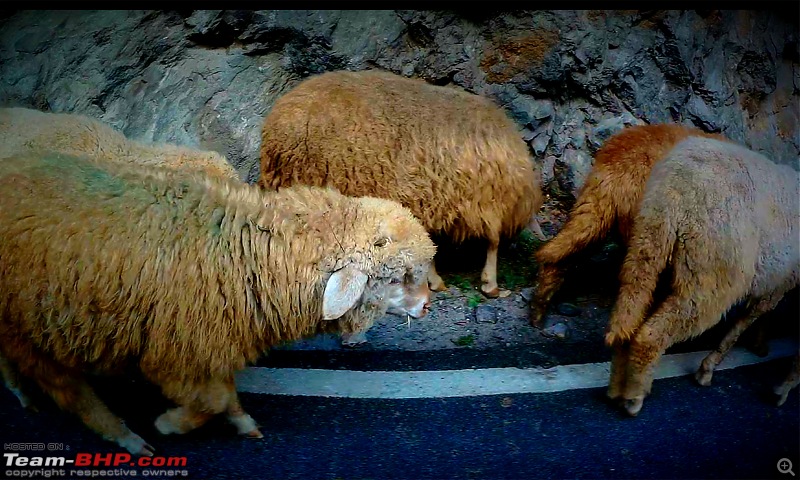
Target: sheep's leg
[(619, 366), (713, 359), (244, 423), (551, 277), (11, 379), (758, 343), (647, 346), (181, 420), (73, 394), (489, 273), (198, 403), (354, 339), (792, 380), (435, 282)]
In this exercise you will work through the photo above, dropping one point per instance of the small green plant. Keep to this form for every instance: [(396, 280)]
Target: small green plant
[(465, 341), (474, 300), (527, 241), (460, 282), (516, 267), (509, 277)]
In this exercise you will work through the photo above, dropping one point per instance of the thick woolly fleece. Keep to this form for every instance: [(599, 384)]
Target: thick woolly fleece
[(724, 220), (455, 159), (610, 196), (107, 266), (24, 129)]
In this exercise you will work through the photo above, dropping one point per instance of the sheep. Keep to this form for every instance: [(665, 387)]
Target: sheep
[(187, 277), (23, 129), (455, 159), (610, 196), (722, 221)]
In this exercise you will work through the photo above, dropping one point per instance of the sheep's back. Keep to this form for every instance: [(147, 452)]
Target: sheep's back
[(29, 130), (455, 159), (641, 146), (96, 254), (189, 276), (730, 208), (777, 212), (53, 283)]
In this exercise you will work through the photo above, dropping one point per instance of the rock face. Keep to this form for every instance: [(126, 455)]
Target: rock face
[(570, 79)]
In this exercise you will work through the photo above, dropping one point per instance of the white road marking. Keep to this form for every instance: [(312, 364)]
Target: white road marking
[(463, 383)]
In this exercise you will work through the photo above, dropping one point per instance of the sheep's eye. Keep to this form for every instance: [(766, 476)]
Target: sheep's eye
[(381, 242), (395, 281)]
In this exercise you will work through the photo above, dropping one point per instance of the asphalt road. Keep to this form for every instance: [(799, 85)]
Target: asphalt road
[(728, 430)]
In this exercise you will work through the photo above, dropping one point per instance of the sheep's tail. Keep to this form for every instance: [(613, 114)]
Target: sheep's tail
[(590, 219), (650, 250)]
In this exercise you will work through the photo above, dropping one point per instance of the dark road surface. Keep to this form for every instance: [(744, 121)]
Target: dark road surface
[(728, 430)]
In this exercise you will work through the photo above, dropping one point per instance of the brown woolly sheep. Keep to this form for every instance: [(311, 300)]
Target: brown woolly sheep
[(724, 219), (610, 196), (186, 277), (455, 159), (24, 129)]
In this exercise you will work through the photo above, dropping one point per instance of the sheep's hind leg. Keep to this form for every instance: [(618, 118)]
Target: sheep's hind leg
[(11, 379), (619, 367), (71, 392), (244, 423), (489, 273), (551, 277), (713, 359), (647, 346), (758, 344), (792, 380)]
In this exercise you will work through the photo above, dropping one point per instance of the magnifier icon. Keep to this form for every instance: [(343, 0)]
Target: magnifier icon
[(785, 466)]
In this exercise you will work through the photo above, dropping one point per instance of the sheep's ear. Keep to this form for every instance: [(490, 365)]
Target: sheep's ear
[(342, 291)]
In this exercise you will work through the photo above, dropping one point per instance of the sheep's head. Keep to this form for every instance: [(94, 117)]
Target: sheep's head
[(387, 268)]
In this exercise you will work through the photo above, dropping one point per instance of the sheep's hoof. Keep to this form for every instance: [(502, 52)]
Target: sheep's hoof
[(703, 377), (255, 433), (634, 405), (245, 425), (24, 400), (165, 426), (354, 340), (136, 445), (781, 394), (617, 402), (535, 317), (491, 292), (614, 394), (28, 405)]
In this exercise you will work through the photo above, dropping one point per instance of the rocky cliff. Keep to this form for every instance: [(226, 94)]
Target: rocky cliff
[(569, 78)]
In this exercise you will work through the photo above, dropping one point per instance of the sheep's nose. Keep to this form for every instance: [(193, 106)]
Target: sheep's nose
[(426, 307)]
